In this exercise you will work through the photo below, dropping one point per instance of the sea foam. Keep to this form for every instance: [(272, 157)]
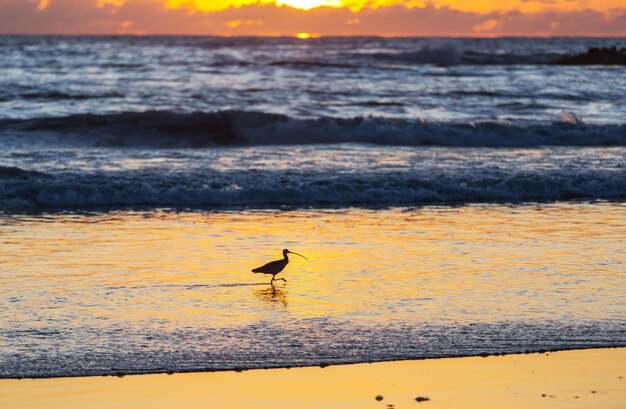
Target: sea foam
[(23, 191)]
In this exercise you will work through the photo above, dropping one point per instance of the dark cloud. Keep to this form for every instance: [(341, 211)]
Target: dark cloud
[(147, 17)]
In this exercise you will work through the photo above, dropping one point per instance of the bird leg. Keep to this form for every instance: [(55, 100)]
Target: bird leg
[(272, 282), (281, 279)]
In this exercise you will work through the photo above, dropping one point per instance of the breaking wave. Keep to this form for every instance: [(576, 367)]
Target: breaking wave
[(166, 129), (445, 54), (26, 191), (448, 54)]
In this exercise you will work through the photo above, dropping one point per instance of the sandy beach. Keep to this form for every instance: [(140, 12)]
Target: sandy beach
[(568, 379)]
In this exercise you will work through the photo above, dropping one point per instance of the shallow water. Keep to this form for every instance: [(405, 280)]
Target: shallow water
[(153, 291)]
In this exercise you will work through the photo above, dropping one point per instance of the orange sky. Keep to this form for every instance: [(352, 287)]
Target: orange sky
[(481, 6), (324, 17)]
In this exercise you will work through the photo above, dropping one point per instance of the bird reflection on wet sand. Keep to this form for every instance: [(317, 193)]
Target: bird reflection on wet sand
[(272, 295)]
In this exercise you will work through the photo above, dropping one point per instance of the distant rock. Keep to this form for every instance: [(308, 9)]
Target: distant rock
[(596, 56), (14, 172)]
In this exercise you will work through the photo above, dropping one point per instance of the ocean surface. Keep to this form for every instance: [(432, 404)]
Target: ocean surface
[(455, 197)]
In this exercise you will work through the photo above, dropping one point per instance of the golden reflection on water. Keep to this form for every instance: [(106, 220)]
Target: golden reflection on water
[(273, 295), (464, 264)]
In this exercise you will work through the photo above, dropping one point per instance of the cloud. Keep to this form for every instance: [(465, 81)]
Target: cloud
[(154, 17), (486, 26)]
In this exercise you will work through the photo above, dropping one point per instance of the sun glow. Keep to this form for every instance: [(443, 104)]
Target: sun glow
[(309, 4), (306, 36), (217, 5), (478, 6)]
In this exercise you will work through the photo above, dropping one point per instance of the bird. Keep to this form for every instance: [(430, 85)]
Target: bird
[(275, 267)]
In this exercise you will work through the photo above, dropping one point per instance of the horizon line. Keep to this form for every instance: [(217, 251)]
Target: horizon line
[(316, 36)]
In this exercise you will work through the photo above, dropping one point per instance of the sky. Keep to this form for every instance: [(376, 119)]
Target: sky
[(485, 18)]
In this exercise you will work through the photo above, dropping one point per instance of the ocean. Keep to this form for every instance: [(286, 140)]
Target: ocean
[(454, 196)]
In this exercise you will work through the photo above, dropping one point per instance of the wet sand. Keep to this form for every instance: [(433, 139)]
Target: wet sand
[(569, 379), (91, 294)]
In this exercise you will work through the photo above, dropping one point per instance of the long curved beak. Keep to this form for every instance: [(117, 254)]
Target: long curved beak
[(298, 255)]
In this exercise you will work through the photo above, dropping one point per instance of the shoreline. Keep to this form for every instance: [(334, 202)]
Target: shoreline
[(568, 379), (310, 207), (321, 365)]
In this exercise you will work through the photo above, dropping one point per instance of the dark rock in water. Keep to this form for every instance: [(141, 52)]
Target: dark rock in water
[(14, 172), (379, 397), (422, 399), (596, 56)]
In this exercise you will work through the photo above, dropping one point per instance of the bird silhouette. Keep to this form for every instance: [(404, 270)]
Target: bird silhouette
[(275, 267)]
